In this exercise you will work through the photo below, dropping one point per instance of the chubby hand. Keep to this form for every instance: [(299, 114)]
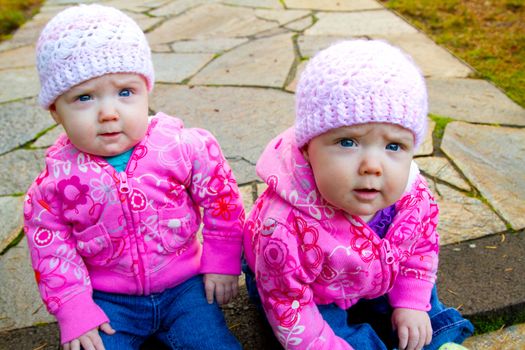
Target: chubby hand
[(413, 328), (90, 340), (224, 287)]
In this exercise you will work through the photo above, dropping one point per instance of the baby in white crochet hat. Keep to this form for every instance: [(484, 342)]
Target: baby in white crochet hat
[(111, 222)]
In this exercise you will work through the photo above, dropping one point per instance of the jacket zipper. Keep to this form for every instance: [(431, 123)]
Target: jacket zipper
[(125, 189)]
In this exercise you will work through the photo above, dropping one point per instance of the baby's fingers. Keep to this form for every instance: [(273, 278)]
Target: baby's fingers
[(209, 288), (402, 334), (106, 328), (235, 288), (220, 293)]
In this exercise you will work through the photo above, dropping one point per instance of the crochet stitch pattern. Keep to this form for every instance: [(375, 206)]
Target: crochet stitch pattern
[(356, 82), (88, 41)]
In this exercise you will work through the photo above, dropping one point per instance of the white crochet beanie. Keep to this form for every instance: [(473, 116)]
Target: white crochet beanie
[(87, 41), (360, 81)]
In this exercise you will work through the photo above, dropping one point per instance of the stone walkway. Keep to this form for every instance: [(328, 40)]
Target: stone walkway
[(231, 66)]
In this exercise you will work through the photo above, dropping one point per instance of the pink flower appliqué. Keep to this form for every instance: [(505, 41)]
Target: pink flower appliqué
[(222, 207), (220, 180), (48, 281), (362, 244), (72, 192), (308, 236), (43, 237), (288, 305), (275, 254), (138, 200)]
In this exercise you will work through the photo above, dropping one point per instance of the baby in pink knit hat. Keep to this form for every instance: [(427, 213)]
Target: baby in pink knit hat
[(342, 247), (112, 221)]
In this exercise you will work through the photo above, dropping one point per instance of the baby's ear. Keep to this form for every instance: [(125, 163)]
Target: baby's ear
[(54, 113), (304, 151)]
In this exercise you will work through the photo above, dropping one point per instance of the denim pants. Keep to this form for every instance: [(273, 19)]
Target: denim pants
[(180, 317), (367, 325)]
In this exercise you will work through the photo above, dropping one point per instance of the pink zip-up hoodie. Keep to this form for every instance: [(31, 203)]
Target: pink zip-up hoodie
[(305, 252), (134, 232)]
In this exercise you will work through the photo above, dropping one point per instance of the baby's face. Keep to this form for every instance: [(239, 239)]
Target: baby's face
[(361, 169), (104, 116)]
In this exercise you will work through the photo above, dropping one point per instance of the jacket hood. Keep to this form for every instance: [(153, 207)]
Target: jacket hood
[(284, 169)]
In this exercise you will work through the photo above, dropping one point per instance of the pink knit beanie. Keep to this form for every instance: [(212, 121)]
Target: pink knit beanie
[(356, 82), (85, 42)]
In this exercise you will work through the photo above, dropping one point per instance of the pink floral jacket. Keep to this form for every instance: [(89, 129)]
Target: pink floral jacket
[(132, 232), (305, 252)]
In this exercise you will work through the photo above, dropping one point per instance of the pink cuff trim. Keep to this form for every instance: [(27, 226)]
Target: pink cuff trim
[(411, 293), (221, 256), (78, 316)]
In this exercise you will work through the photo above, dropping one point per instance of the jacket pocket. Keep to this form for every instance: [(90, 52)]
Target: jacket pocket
[(177, 228), (94, 245)]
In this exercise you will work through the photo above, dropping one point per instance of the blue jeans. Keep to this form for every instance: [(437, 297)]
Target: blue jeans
[(180, 317), (367, 325)]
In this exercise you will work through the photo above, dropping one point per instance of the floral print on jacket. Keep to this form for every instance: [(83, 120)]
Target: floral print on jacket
[(133, 232), (305, 252)]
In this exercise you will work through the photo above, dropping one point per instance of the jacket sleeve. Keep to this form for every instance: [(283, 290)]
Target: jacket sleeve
[(283, 283), (62, 278), (417, 273), (214, 188)]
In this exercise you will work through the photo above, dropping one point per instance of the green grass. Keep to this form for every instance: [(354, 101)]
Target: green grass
[(14, 13), (488, 35)]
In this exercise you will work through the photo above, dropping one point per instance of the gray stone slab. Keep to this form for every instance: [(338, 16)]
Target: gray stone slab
[(210, 21), (309, 45), (47, 139), (427, 147), (440, 168), (263, 62), (175, 67), (170, 8), (492, 160), (432, 59), (298, 70), (473, 100), (301, 24), (381, 22), (244, 171), (509, 338), (340, 5), (21, 122), (161, 48), (217, 45), (273, 4), (136, 5), (244, 120), (19, 169), (16, 58), (22, 83), (11, 219), (462, 217), (20, 302), (281, 17), (247, 196), (144, 22)]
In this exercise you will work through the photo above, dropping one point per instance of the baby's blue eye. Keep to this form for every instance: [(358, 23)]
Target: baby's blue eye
[(125, 93), (393, 147), (347, 143), (84, 98)]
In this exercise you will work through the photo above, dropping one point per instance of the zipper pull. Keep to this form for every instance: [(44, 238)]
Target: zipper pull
[(388, 250), (124, 186)]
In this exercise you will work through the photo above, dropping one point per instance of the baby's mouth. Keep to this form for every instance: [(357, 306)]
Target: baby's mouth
[(109, 134), (366, 193)]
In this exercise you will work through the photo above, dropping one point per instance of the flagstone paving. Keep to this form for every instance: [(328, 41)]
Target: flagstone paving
[(231, 66)]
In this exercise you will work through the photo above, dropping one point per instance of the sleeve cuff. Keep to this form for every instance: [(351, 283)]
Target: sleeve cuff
[(221, 257), (411, 293), (77, 316)]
